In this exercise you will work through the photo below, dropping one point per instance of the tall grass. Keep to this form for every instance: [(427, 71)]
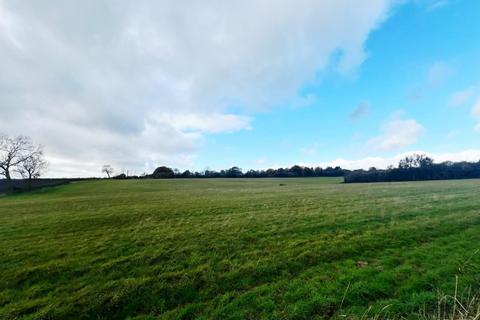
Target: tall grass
[(454, 307), (447, 307)]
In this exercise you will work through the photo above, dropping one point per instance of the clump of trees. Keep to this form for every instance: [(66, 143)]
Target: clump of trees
[(20, 155), (415, 161), (417, 167)]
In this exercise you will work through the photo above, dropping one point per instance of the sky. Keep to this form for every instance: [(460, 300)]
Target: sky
[(255, 84)]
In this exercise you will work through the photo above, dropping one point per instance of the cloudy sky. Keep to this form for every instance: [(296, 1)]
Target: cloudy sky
[(264, 83)]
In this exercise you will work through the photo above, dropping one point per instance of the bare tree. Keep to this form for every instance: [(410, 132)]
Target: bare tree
[(108, 170), (32, 167), (13, 152)]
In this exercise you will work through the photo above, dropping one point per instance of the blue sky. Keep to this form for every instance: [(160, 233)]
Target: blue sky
[(255, 84), (417, 60)]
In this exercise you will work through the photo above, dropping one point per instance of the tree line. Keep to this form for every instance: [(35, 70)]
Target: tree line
[(411, 168), (19, 155), (415, 168), (164, 172)]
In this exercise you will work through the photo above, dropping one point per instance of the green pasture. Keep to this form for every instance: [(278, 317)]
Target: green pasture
[(306, 248)]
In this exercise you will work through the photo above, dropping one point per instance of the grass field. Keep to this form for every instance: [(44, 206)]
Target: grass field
[(237, 249)]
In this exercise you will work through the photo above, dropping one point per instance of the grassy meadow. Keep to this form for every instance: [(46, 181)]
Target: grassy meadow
[(313, 248)]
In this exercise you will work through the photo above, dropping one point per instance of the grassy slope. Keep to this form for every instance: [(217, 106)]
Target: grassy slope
[(236, 248)]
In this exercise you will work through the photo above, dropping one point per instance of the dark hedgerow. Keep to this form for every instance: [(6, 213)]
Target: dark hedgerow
[(415, 168)]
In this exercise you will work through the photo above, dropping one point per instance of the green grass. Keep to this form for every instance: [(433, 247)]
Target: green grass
[(237, 249)]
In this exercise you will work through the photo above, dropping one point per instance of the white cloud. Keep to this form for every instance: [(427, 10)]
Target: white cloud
[(470, 155), (206, 123), (396, 134), (89, 79)]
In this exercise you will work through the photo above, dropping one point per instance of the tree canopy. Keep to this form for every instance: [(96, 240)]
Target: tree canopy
[(417, 167)]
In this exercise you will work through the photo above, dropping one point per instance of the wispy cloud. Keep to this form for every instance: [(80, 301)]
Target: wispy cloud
[(360, 111), (308, 151), (436, 76), (260, 161), (459, 98), (396, 134), (431, 5), (452, 134), (476, 113), (436, 4)]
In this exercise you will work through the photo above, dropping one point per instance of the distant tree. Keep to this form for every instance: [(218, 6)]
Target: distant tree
[(108, 170), (13, 152), (186, 174), (424, 161), (121, 176), (32, 167), (308, 172), (270, 172), (234, 172), (163, 173), (318, 171), (296, 171), (406, 163), (252, 174), (280, 172), (415, 161)]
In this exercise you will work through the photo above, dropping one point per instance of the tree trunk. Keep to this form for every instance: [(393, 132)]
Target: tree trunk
[(30, 181), (9, 180)]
